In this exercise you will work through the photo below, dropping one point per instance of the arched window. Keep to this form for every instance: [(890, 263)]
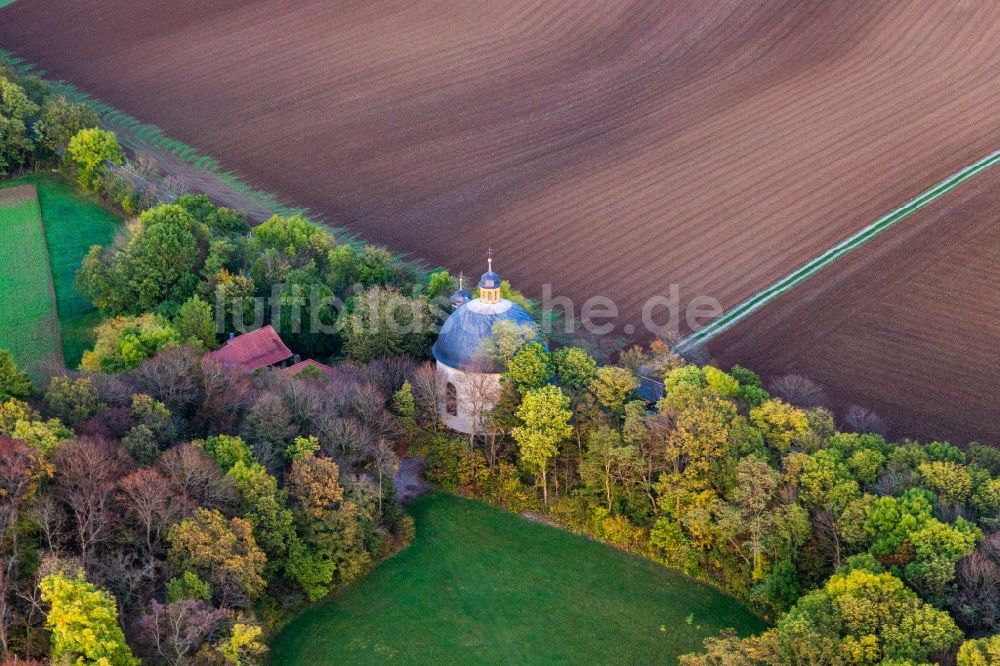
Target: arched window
[(451, 400)]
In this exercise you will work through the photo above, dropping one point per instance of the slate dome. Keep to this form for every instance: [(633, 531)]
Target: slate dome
[(460, 343)]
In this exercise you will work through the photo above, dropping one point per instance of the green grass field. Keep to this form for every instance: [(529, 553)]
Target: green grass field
[(73, 223), (482, 586), (29, 326)]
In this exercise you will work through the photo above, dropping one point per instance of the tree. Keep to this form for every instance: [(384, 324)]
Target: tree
[(13, 382), (753, 493), (545, 415), (227, 451), (175, 633), (980, 652), (302, 447), (72, 400), (156, 269), (608, 463), (188, 586), (574, 369), (938, 547), (508, 337), (222, 552), (866, 464), (125, 342), (151, 502), (859, 617), (613, 386), (530, 368), (20, 471), (404, 405), (382, 322), (326, 519), (195, 323), (780, 422), (61, 120), (87, 473), (196, 477), (950, 480), (16, 114), (269, 429), (243, 645), (89, 149), (84, 623)]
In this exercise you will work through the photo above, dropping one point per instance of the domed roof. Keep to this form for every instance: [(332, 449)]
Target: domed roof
[(460, 343), (460, 298), (490, 280)]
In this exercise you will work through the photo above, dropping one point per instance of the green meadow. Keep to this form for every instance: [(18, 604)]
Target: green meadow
[(71, 224), (29, 326), (482, 586)]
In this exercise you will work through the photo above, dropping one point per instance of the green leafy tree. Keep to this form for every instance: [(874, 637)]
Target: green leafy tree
[(860, 617), (938, 547), (530, 368), (383, 322), (404, 405), (188, 586), (545, 415), (825, 481), (60, 120), (607, 465), (13, 382), (195, 323), (72, 400), (986, 501), (326, 519), (866, 465), (980, 652), (893, 519), (613, 387), (439, 285), (950, 480), (84, 623), (574, 369), (780, 422), (157, 269), (125, 342), (944, 452), (723, 384), (508, 337), (227, 450), (88, 150), (302, 447), (16, 115), (223, 552)]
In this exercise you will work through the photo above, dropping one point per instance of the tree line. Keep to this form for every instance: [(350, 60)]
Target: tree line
[(864, 551)]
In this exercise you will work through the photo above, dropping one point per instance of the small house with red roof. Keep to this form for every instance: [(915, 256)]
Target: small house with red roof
[(254, 350), (308, 365)]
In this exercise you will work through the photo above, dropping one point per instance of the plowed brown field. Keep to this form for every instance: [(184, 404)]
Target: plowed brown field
[(603, 147), (908, 326)]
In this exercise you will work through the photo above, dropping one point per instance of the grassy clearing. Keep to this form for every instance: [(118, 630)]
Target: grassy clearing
[(73, 223), (29, 326), (481, 586)]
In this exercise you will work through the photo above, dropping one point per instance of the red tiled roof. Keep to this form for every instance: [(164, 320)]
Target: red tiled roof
[(296, 370), (253, 350)]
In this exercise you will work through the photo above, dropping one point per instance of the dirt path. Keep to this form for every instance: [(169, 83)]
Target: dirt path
[(197, 180), (409, 481)]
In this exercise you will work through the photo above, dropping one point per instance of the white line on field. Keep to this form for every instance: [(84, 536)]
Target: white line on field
[(736, 314)]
